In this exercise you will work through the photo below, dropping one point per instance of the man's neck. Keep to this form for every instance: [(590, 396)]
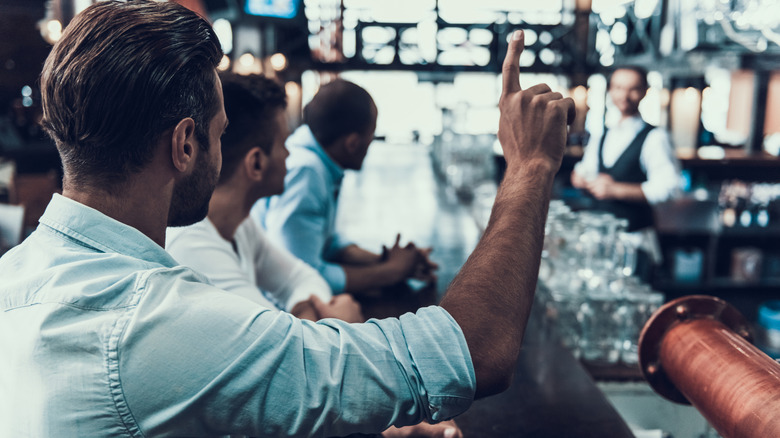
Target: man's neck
[(130, 204), (227, 210)]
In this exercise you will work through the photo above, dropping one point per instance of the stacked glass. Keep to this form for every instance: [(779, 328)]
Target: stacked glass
[(587, 299)]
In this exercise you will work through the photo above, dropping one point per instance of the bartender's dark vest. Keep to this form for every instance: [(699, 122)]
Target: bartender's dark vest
[(628, 170)]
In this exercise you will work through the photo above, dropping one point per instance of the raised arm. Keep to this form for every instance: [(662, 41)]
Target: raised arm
[(492, 295)]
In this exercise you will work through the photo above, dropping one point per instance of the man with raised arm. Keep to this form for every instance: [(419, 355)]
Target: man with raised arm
[(104, 334)]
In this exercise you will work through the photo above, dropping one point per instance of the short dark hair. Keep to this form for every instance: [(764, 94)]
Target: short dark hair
[(339, 108), (121, 75), (251, 104), (639, 70)]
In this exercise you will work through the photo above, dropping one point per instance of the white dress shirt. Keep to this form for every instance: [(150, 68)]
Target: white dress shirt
[(257, 269), (657, 158)]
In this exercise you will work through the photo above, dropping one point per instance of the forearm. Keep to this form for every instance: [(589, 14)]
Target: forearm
[(492, 295), (355, 255), (577, 180), (363, 278), (631, 192)]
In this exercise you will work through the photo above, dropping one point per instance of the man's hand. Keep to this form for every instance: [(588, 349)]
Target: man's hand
[(577, 180), (532, 127), (602, 187), (445, 429), (425, 267), (401, 259), (342, 307)]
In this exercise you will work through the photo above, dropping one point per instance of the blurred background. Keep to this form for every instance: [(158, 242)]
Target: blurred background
[(433, 69)]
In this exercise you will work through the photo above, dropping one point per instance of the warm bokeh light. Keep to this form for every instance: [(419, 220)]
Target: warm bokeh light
[(224, 31), (246, 60), (278, 61), (54, 30), (224, 64)]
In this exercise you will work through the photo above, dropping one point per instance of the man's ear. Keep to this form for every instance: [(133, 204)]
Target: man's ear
[(255, 163), (183, 145), (352, 142)]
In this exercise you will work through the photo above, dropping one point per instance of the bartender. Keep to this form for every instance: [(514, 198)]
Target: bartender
[(632, 165)]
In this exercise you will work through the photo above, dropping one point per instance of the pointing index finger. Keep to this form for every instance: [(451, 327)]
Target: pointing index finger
[(511, 68)]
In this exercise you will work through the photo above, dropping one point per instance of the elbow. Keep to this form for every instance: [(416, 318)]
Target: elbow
[(494, 377)]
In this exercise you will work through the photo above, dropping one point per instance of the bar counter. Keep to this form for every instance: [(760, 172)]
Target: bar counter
[(551, 396)]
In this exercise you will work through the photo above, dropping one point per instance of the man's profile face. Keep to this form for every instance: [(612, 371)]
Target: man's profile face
[(627, 88), (191, 195), (365, 141), (277, 168)]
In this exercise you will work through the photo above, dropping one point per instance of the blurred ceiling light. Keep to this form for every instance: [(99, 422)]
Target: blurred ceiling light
[(410, 36), (293, 90), (530, 37), (645, 8), (452, 36), (52, 31), (378, 34), (580, 94), (224, 31), (527, 58), (545, 38), (547, 56), (247, 60), (480, 56), (409, 56), (385, 55), (664, 97), (427, 39), (278, 61), (224, 64), (481, 37), (619, 33), (349, 42)]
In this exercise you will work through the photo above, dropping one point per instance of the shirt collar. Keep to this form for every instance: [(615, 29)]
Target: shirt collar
[(303, 138), (95, 230), (632, 123)]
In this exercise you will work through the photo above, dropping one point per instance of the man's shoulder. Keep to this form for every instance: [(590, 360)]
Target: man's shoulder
[(180, 236), (304, 158), (40, 271)]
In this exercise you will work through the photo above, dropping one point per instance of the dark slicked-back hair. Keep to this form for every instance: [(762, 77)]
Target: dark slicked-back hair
[(121, 75), (339, 108), (251, 104), (641, 71)]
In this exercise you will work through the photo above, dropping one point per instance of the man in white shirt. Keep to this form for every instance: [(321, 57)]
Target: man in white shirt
[(632, 165), (226, 247)]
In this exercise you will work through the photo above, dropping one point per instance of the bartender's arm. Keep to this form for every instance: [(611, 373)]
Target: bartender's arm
[(492, 295), (604, 187)]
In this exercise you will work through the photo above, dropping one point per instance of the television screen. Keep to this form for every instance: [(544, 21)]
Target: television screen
[(272, 8)]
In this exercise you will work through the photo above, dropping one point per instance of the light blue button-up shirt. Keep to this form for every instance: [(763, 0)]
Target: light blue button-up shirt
[(303, 218), (102, 334)]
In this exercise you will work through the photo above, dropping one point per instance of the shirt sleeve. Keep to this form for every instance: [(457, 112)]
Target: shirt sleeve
[(196, 362), (297, 221), (588, 166), (203, 252), (661, 166), (280, 274)]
